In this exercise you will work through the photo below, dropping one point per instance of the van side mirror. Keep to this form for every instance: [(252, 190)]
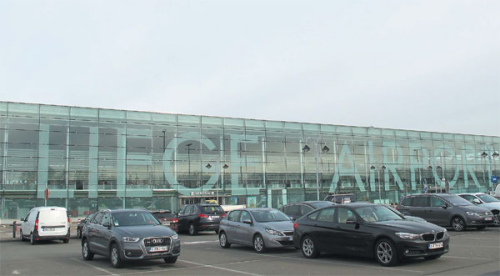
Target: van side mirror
[(22, 219)]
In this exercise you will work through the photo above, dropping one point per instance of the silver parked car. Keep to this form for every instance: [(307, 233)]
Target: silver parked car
[(486, 201), (261, 228)]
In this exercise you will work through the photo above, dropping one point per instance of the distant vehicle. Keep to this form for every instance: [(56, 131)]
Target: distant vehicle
[(261, 228), (200, 217), (408, 217), (368, 230), (81, 224), (129, 234), (167, 218), (486, 201), (448, 210), (46, 223), (297, 210), (341, 198)]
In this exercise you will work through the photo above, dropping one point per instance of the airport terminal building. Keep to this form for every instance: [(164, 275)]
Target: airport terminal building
[(86, 159)]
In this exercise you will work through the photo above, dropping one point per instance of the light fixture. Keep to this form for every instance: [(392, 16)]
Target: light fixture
[(306, 148), (208, 166), (325, 149), (484, 154)]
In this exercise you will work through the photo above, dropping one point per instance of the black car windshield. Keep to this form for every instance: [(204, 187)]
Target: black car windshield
[(457, 201), (269, 215), (212, 210), (134, 219), (320, 204), (377, 213), (487, 198)]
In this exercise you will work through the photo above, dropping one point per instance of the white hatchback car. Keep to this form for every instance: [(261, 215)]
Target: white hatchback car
[(46, 223)]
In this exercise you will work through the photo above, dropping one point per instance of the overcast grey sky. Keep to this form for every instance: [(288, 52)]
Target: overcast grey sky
[(419, 65)]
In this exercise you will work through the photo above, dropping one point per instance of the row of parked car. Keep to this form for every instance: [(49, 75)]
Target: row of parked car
[(416, 229)]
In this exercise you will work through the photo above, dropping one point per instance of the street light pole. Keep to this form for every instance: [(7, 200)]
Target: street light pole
[(325, 149), (189, 163), (483, 156)]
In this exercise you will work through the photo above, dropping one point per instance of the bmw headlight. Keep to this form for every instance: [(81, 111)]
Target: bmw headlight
[(407, 236), (130, 239), (473, 214), (274, 232), (174, 237)]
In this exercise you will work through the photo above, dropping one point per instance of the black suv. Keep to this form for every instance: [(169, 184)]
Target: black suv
[(200, 217), (129, 234), (297, 210), (446, 210)]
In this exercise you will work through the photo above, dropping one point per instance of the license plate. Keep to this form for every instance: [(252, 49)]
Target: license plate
[(290, 238), (214, 217), (489, 218), (436, 245), (48, 229), (158, 249)]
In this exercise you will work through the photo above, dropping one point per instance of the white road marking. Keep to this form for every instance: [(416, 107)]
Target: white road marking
[(98, 268), (221, 268), (199, 242)]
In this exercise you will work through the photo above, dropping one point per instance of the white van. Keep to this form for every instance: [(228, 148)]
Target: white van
[(45, 223)]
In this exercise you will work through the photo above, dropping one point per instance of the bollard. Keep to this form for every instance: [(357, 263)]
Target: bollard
[(14, 229)]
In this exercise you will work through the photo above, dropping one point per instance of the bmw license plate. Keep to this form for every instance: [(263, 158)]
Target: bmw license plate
[(436, 245), (158, 249)]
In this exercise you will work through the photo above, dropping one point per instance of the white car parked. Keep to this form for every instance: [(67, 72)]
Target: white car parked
[(486, 201), (45, 223)]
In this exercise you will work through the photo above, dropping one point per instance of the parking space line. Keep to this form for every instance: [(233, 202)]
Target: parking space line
[(98, 268), (358, 265), (198, 242), (221, 268)]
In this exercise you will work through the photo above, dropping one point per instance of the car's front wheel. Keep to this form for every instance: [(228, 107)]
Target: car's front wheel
[(21, 235), (78, 233), (86, 253), (385, 252), (223, 240), (170, 260), (458, 224), (258, 244), (116, 260), (309, 249), (192, 230), (496, 219)]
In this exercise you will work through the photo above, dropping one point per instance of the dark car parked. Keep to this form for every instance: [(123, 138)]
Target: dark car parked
[(167, 218), (81, 224), (297, 210), (200, 217), (341, 198), (368, 230), (129, 234), (447, 210)]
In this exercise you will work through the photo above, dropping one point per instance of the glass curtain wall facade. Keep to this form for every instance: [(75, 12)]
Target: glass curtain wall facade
[(87, 159)]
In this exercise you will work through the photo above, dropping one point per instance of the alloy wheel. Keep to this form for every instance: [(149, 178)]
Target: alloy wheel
[(308, 247), (458, 224), (258, 244), (385, 253)]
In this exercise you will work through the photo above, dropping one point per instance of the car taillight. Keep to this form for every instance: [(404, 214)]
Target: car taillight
[(36, 224), (203, 216), (295, 226), (69, 220), (175, 220), (223, 215)]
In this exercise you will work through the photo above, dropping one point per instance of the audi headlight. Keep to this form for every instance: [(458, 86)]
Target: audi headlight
[(274, 232), (130, 239), (473, 214), (407, 236), (174, 237)]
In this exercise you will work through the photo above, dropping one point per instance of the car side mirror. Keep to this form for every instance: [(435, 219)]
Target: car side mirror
[(476, 201), (22, 219), (292, 218), (444, 206), (247, 221), (107, 225)]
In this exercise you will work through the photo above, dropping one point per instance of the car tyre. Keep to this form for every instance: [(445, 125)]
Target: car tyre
[(21, 235), (433, 257), (32, 239), (116, 259), (496, 219), (170, 260), (78, 233), (86, 253), (192, 230), (386, 253), (309, 249), (458, 224), (65, 240), (223, 240), (258, 244)]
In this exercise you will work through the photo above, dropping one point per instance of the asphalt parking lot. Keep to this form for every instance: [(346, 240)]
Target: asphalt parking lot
[(471, 253)]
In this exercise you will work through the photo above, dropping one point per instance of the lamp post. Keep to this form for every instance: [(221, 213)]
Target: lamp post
[(432, 177), (419, 167), (483, 156), (223, 181), (378, 174), (494, 155), (189, 162), (324, 150), (164, 179)]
